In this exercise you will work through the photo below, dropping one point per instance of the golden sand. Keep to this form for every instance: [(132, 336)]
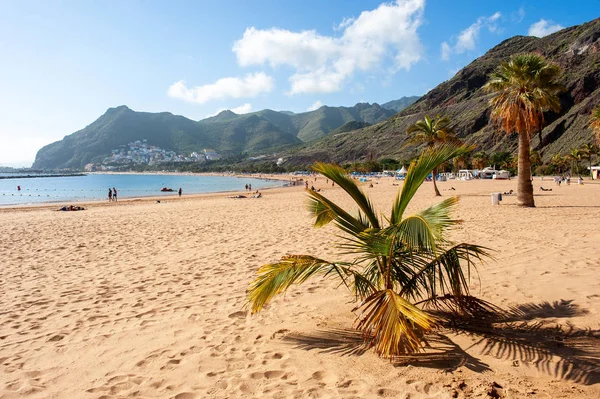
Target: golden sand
[(145, 299)]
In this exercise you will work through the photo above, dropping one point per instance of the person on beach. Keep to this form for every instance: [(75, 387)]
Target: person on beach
[(109, 195), (249, 187), (18, 188), (246, 187), (114, 194), (180, 191)]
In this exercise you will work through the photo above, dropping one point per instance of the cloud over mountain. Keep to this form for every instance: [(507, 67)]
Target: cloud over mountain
[(249, 86), (467, 39), (543, 28)]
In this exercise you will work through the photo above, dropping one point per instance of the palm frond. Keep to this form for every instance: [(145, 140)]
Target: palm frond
[(447, 273), (392, 325), (276, 278), (429, 160), (423, 230), (340, 177), (326, 211)]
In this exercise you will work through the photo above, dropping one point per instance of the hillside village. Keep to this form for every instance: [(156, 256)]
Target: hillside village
[(139, 152)]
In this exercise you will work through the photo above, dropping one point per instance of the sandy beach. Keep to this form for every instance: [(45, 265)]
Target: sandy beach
[(145, 299)]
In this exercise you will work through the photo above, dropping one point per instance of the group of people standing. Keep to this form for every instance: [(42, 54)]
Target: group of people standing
[(112, 194), (248, 187)]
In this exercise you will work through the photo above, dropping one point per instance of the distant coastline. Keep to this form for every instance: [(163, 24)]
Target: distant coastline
[(41, 175)]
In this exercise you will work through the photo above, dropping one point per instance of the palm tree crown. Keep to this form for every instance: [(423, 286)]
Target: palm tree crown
[(524, 88), (431, 131), (403, 266)]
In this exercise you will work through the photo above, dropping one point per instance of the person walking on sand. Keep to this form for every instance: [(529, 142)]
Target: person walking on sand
[(109, 195), (114, 194), (180, 191)]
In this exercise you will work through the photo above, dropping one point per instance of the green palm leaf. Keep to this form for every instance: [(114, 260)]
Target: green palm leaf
[(325, 211), (277, 277), (445, 273), (340, 177)]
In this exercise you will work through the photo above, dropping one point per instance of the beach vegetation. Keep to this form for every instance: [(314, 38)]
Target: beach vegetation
[(480, 159), (403, 268), (523, 88), (576, 155)]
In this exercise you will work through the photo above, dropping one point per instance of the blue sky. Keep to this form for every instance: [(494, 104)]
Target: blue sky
[(65, 62)]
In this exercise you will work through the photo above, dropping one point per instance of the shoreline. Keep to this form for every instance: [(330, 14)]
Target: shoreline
[(165, 198), (158, 195)]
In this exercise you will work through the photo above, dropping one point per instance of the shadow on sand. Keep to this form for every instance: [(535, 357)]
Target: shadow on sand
[(527, 333)]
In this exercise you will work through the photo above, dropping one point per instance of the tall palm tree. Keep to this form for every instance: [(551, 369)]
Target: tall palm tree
[(404, 265), (559, 162), (576, 155), (595, 123), (590, 150), (431, 131), (524, 88)]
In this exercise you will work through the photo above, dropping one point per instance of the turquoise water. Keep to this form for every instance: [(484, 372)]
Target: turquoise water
[(95, 187)]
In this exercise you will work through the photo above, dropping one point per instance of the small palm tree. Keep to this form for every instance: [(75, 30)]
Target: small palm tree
[(595, 123), (524, 88), (404, 265), (432, 131)]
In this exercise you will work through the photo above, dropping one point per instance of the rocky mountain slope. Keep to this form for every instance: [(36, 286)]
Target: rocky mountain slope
[(575, 49)]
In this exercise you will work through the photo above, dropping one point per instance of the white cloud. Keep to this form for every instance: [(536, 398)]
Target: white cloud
[(323, 63), (242, 109), (518, 15), (249, 86), (316, 105), (543, 28), (446, 50), (467, 39)]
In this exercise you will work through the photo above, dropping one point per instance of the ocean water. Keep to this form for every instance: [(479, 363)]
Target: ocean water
[(95, 187)]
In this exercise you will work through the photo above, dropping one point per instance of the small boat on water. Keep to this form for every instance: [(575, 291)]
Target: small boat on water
[(166, 190)]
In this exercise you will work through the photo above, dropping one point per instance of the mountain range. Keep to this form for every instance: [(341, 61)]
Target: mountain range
[(227, 133), (576, 50)]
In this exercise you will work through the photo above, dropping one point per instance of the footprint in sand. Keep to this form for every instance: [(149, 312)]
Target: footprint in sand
[(185, 395)]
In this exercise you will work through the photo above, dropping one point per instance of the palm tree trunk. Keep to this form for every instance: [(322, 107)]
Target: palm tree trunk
[(437, 192), (524, 186)]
